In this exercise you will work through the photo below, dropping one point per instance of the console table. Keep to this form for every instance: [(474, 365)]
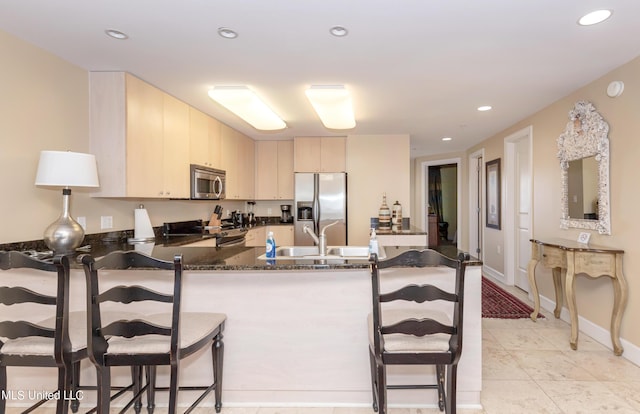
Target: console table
[(575, 258)]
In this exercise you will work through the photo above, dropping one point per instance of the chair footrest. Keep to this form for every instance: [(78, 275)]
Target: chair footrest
[(413, 387)]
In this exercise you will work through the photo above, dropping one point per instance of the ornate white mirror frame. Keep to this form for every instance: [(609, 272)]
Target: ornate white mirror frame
[(585, 135)]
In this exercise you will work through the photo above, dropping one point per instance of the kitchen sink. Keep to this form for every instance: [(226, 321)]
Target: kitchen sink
[(333, 253)]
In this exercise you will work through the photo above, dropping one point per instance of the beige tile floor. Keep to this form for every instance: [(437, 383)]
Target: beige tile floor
[(527, 368)]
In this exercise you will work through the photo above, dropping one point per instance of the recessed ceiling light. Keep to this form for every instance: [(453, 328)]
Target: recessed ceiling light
[(594, 17), (447, 139), (116, 34), (339, 31), (484, 108), (227, 33)]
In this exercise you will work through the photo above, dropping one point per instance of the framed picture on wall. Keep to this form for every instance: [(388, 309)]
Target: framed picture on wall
[(493, 194)]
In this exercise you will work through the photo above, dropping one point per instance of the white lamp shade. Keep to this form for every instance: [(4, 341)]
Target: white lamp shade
[(67, 169)]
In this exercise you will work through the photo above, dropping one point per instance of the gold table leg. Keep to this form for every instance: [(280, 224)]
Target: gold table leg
[(620, 296)]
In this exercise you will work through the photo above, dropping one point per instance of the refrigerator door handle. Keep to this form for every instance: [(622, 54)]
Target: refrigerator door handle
[(316, 203)]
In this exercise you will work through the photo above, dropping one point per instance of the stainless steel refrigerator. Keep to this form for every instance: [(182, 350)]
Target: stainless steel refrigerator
[(321, 199)]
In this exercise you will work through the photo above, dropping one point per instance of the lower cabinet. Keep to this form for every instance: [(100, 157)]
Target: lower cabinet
[(282, 234), (257, 236)]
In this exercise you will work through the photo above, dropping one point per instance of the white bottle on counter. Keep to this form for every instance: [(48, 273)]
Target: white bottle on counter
[(270, 246), (373, 243)]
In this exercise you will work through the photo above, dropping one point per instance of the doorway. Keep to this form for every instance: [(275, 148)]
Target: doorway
[(518, 207), (476, 203), (441, 198)]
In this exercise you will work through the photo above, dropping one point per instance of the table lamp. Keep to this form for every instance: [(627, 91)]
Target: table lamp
[(65, 169)]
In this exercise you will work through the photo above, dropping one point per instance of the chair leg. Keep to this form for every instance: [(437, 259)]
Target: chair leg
[(75, 385), (136, 379), (372, 363), (64, 386), (173, 389), (217, 352), (381, 374), (3, 387), (151, 388), (440, 379), (452, 373), (104, 389)]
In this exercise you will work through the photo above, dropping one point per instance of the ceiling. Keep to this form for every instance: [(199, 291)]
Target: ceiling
[(417, 67)]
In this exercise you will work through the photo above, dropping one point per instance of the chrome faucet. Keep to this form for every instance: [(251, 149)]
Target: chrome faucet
[(321, 241), (307, 229)]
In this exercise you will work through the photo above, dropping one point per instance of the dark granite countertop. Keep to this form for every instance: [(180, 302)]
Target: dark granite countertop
[(217, 258)]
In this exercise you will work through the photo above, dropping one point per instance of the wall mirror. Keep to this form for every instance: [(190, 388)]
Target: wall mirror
[(583, 150)]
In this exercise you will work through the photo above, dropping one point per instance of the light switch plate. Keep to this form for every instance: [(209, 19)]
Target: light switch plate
[(106, 222)]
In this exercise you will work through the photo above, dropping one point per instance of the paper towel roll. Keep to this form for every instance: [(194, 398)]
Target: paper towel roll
[(142, 230)]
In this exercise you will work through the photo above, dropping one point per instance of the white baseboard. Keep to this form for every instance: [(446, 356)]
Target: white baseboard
[(598, 333), (493, 273)]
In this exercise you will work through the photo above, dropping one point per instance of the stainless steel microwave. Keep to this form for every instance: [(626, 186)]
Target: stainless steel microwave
[(207, 183)]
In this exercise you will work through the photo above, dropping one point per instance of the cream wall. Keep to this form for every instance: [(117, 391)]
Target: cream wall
[(45, 106), (594, 296), (376, 164)]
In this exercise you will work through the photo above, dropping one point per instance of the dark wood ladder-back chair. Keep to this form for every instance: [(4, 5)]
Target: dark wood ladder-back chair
[(403, 335), (45, 342), (149, 339)]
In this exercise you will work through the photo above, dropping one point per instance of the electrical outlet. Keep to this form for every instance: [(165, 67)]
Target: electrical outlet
[(106, 222), (82, 221), (499, 249), (269, 211)]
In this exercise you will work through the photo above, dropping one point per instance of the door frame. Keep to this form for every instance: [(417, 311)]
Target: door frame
[(510, 225), (476, 189), (425, 182)]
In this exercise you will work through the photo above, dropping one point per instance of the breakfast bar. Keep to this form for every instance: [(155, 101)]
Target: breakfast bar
[(296, 333)]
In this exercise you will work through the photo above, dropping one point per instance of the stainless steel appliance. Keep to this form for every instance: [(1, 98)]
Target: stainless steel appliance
[(226, 237), (320, 199), (286, 216), (207, 183)]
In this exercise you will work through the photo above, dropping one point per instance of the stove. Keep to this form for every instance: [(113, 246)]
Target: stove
[(226, 235), (183, 228)]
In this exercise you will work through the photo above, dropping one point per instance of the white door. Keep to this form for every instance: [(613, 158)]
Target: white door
[(518, 233)]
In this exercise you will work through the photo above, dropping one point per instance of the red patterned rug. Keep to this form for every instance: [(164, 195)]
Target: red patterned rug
[(497, 303)]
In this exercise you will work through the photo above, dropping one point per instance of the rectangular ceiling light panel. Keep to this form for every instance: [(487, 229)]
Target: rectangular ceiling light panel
[(333, 106), (243, 102)]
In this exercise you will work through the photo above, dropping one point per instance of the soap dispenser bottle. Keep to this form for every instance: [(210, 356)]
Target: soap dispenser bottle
[(270, 248), (373, 243)]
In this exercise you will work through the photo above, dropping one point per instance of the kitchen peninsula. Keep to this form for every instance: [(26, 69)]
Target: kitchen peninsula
[(296, 330)]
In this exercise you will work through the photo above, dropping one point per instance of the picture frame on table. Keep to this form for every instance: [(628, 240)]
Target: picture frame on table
[(493, 202)]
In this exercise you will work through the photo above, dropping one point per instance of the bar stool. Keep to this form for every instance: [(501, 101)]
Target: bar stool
[(416, 334), (151, 338), (45, 342)]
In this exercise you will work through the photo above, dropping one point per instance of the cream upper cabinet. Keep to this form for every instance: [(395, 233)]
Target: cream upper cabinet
[(140, 136), (247, 165), (320, 154), (204, 139), (285, 170), (266, 170), (176, 148), (238, 160), (274, 170)]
